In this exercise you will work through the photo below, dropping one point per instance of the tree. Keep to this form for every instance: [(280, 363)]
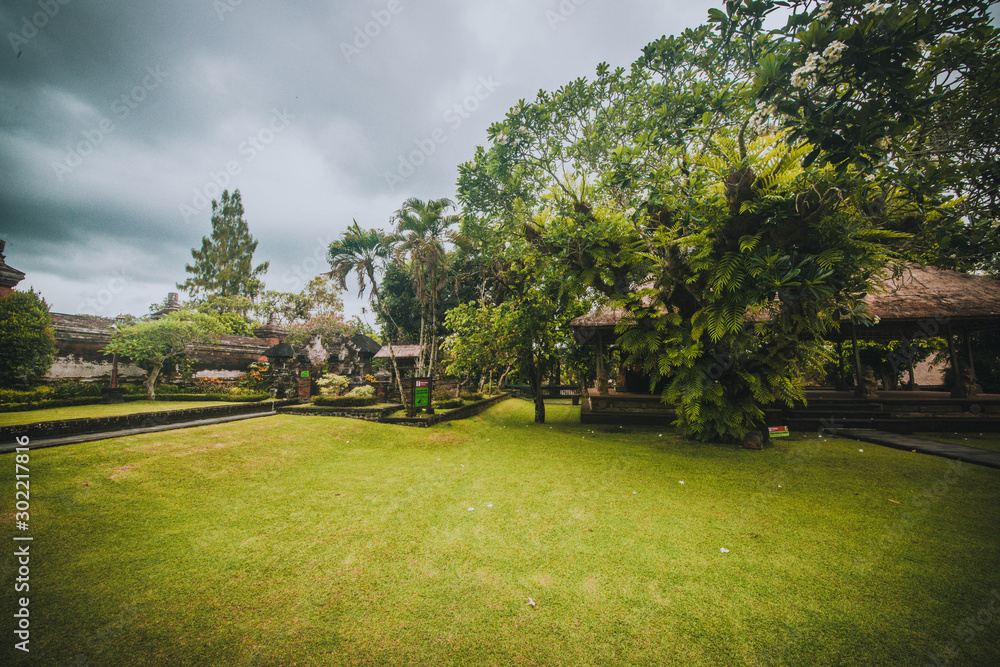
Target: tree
[(27, 339), (729, 244), (907, 88), (324, 296), (152, 343), (365, 253), (224, 265), (287, 307), (524, 326), (423, 228)]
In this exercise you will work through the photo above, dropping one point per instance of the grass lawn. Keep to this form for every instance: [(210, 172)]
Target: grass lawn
[(99, 410), (990, 441), (295, 540)]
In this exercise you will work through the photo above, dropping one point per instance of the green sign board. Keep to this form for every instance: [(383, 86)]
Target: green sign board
[(304, 374), (421, 392)]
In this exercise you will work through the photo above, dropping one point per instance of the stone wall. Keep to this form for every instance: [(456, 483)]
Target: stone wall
[(80, 342)]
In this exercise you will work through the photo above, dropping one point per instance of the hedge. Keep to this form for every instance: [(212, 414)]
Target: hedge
[(344, 402), (214, 397)]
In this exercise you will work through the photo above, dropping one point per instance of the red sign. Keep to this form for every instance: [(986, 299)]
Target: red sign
[(777, 431)]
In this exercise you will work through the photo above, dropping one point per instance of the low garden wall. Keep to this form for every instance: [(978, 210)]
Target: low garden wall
[(71, 427), (463, 412), (371, 414), (381, 415)]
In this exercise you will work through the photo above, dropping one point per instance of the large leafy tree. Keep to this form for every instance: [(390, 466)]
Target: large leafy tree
[(365, 253), (906, 88), (224, 264), (424, 228), (27, 340), (732, 226), (153, 343)]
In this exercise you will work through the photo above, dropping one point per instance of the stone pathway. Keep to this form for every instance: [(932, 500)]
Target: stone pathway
[(983, 457), (88, 437)]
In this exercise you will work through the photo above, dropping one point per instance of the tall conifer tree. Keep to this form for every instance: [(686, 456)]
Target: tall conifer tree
[(224, 265)]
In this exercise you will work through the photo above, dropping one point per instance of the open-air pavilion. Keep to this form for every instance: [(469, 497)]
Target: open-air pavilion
[(923, 302)]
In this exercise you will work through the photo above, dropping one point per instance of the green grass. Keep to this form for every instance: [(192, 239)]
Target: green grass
[(100, 410), (990, 441), (293, 540)]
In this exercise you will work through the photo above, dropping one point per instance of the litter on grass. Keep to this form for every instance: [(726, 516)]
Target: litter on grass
[(472, 509), (861, 450), (531, 602), (724, 550), (681, 482)]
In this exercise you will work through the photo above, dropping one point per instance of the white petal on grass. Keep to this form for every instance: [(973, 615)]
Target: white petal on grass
[(724, 550)]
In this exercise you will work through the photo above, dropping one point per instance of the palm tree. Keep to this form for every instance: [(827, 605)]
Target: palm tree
[(364, 252), (424, 229)]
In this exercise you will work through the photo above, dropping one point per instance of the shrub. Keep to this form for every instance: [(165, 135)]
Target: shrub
[(472, 397), (332, 385), (232, 398), (256, 376), (450, 404), (344, 401), (362, 392), (27, 339)]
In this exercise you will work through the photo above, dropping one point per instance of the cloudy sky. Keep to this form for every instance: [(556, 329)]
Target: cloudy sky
[(120, 120)]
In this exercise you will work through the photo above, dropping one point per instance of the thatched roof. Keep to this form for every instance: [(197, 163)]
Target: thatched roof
[(401, 352), (602, 317), (920, 294), (923, 292)]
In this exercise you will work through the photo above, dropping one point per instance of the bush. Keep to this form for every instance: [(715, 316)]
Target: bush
[(27, 339), (362, 392), (249, 398), (256, 376), (332, 385), (344, 402), (472, 397), (450, 404)]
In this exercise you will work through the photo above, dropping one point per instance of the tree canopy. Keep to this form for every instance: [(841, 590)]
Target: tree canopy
[(27, 339), (224, 264), (152, 343), (736, 191)]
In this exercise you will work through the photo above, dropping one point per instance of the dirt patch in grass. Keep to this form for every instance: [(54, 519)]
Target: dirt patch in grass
[(120, 471)]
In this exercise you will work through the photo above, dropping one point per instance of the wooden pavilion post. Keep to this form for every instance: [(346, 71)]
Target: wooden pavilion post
[(602, 371), (958, 387), (859, 380)]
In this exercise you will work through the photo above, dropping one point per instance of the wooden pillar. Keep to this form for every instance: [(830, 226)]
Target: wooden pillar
[(958, 387), (972, 361), (602, 371), (909, 367), (859, 379)]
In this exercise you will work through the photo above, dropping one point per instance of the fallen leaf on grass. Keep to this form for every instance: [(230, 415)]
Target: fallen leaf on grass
[(894, 501)]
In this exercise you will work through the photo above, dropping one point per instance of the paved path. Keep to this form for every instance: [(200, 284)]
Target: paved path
[(87, 437), (983, 457)]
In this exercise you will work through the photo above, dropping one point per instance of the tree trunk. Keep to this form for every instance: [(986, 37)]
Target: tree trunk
[(535, 375), (433, 333), (151, 380)]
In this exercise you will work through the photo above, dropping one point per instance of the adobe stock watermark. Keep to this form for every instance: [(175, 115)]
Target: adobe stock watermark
[(562, 13), (968, 631), (30, 27), (121, 107), (454, 116), (364, 34), (249, 149), (97, 303), (304, 271), (223, 7)]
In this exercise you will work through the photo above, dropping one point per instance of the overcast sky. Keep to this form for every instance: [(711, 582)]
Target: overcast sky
[(121, 119)]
